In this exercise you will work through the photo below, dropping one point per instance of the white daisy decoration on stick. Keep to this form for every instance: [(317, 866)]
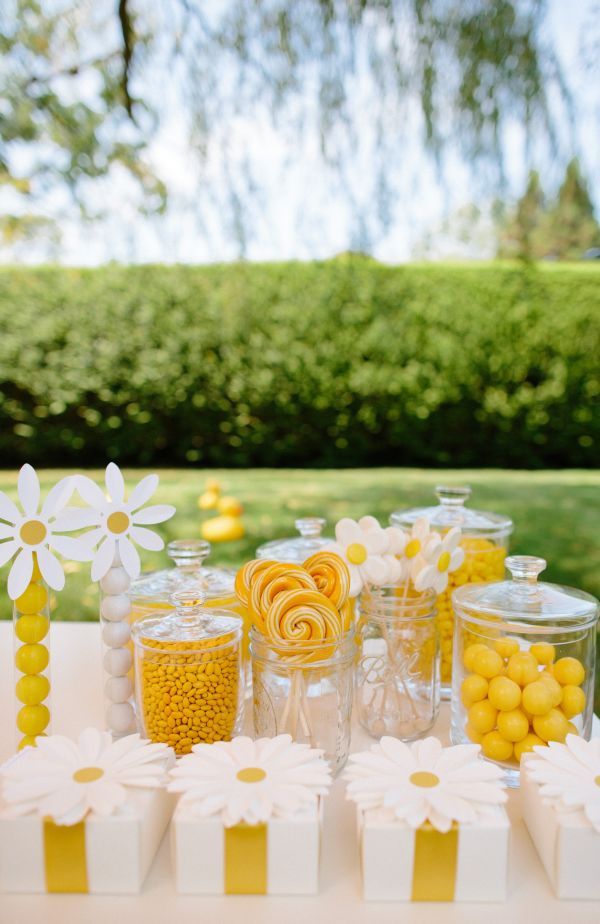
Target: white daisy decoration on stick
[(34, 531), (250, 781), (439, 558), (362, 548), (417, 540), (424, 781), (569, 775), (66, 780)]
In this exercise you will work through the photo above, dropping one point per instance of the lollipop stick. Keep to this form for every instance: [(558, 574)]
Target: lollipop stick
[(305, 713)]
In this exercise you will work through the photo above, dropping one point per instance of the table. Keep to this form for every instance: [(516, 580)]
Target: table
[(77, 702)]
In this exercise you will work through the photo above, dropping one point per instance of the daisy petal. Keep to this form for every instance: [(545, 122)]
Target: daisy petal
[(114, 483), (103, 558), (142, 492), (158, 513), (28, 486), (7, 550), (375, 570), (73, 549), (51, 569), (8, 510), (58, 496), (129, 557), (20, 574), (348, 531), (146, 538), (75, 518), (90, 492)]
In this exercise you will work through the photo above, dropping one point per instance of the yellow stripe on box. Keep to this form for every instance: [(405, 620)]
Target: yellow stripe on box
[(65, 859), (246, 860), (434, 866)]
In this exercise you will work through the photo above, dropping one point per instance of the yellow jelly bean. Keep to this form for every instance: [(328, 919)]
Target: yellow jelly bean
[(522, 668), (538, 698), (569, 671), (482, 716), (31, 720), (543, 652), (553, 685), (496, 747), (469, 655), (32, 628), (513, 726), (32, 689), (473, 689), (527, 744), (573, 700), (551, 727), (504, 693), (506, 647), (487, 663), (32, 659), (33, 599)]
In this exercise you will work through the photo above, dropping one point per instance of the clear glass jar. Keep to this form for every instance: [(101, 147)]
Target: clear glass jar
[(297, 549), (305, 689), (525, 655), (188, 673), (485, 538), (398, 671), (31, 625)]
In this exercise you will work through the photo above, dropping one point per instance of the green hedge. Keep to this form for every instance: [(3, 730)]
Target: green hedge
[(346, 362)]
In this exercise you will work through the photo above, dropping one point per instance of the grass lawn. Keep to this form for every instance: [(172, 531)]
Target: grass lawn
[(555, 514)]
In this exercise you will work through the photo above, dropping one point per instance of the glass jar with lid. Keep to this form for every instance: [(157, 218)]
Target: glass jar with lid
[(485, 538), (188, 677), (296, 549), (525, 654)]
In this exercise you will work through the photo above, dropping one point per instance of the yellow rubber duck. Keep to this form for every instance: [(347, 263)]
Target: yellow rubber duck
[(223, 528), (210, 499)]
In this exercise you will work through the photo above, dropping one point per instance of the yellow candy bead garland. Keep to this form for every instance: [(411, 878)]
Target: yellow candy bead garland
[(31, 614)]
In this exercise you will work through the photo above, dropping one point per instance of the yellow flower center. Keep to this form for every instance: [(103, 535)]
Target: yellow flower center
[(33, 532), (424, 778), (117, 522), (444, 561), (413, 548), (251, 775), (597, 781), (88, 774), (356, 553)]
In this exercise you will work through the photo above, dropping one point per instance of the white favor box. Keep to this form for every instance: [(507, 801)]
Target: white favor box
[(292, 862), (568, 846), (119, 848), (387, 852)]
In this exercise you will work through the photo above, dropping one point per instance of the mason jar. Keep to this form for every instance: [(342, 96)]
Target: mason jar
[(296, 549), (398, 670), (485, 537), (305, 689), (525, 655)]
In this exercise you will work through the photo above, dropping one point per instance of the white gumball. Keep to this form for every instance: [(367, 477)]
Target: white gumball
[(115, 581), (117, 661), (116, 634), (118, 689), (115, 607), (120, 717)]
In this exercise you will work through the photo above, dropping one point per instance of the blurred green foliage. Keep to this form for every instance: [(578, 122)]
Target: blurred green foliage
[(341, 363)]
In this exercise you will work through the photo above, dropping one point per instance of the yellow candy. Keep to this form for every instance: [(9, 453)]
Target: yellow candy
[(569, 671), (331, 575), (522, 668), (475, 736), (553, 685), (543, 652), (506, 647), (551, 727), (482, 716), (32, 628), (473, 689), (496, 747), (469, 655), (31, 720), (33, 599), (573, 700), (538, 698), (32, 689), (504, 693), (487, 663), (32, 659), (36, 574), (527, 744), (513, 726), (29, 741), (572, 729)]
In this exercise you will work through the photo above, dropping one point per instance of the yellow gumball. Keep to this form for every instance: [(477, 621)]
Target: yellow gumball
[(553, 685), (482, 716), (522, 668), (487, 663), (31, 720), (496, 747), (573, 700), (32, 628), (506, 647), (475, 736), (527, 744), (543, 652), (470, 653), (36, 574), (32, 659), (28, 741), (538, 698), (569, 671), (473, 689), (504, 693), (551, 727), (572, 729), (513, 726), (32, 600), (32, 689)]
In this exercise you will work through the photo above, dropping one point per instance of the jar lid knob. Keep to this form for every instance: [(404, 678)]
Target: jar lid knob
[(310, 527), (453, 496), (187, 599), (525, 568), (188, 552)]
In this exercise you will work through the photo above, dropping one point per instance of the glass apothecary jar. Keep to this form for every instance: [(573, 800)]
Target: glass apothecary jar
[(525, 654), (398, 672), (485, 538), (188, 679), (305, 689), (296, 549)]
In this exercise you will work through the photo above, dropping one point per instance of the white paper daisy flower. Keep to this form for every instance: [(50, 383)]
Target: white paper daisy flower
[(424, 781), (34, 531), (417, 540), (250, 781), (120, 523), (440, 557), (65, 780), (569, 775), (362, 548)]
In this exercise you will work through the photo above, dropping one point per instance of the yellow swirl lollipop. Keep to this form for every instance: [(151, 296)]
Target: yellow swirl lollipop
[(246, 575), (348, 611), (271, 582), (331, 576), (303, 616)]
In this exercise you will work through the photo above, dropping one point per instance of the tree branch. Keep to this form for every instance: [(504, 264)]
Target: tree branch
[(127, 32)]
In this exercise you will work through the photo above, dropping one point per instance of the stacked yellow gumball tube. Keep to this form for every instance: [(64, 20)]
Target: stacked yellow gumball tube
[(31, 615)]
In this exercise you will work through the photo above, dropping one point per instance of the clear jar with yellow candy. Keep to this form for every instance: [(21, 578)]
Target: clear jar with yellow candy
[(31, 625), (485, 538), (525, 654), (188, 673)]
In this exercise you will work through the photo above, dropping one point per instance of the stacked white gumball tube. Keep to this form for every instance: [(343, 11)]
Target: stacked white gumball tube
[(115, 609)]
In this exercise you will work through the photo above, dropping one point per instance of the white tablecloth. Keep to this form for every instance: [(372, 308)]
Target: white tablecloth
[(77, 702)]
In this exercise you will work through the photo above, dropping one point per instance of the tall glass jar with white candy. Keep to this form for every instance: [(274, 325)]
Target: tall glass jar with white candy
[(115, 610)]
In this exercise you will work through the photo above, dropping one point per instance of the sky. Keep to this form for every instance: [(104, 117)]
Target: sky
[(301, 212)]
